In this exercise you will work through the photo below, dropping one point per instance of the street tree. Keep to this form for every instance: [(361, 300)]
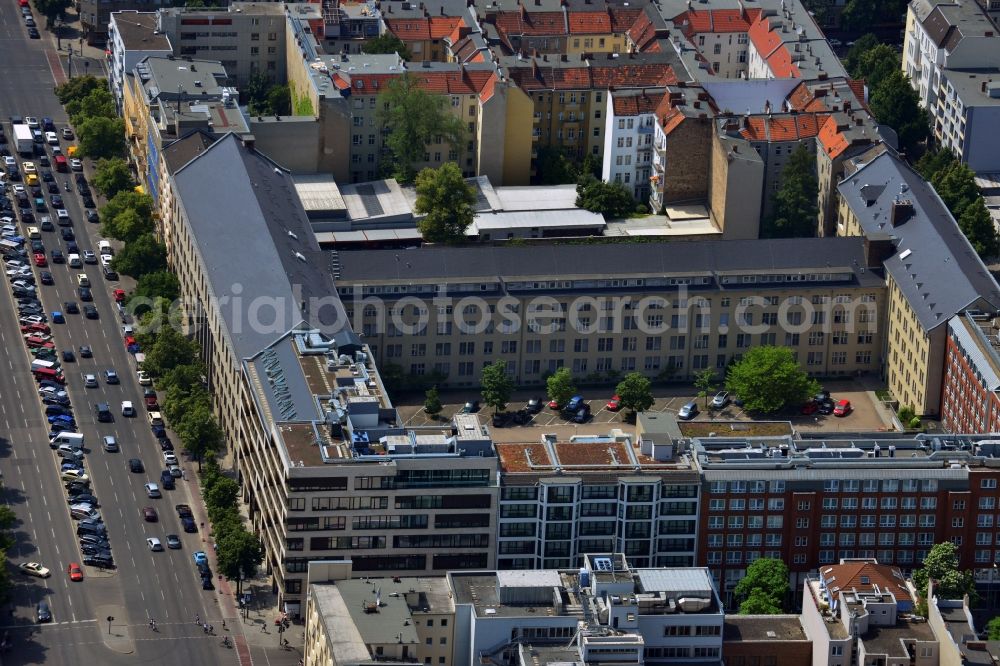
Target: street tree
[(169, 349), (413, 118), (432, 402), (705, 382), (8, 519), (186, 377), (101, 137), (559, 386), (769, 378), (993, 629), (159, 284), (496, 385), (199, 432), (635, 392), (143, 255), (96, 104), (795, 212), (178, 401), (956, 185), (861, 45), (78, 87), (128, 225), (240, 554), (934, 162), (112, 176), (445, 200), (941, 565), (766, 576), (387, 43), (977, 225), (221, 495), (875, 64), (52, 10), (612, 200), (127, 229)]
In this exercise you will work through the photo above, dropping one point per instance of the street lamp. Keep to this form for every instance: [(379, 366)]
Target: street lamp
[(111, 618)]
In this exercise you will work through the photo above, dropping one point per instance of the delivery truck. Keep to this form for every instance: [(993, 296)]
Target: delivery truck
[(23, 140)]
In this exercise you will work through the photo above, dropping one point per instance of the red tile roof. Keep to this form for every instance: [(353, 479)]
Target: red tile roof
[(858, 86), (633, 76), (488, 88), (589, 23), (803, 99), (634, 105), (453, 82), (784, 127), (834, 143), (422, 29), (696, 21), (781, 65), (541, 76), (622, 18), (864, 576), (531, 23)]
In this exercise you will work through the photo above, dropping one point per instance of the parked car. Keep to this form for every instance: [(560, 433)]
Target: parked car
[(843, 408), (720, 400), (688, 411)]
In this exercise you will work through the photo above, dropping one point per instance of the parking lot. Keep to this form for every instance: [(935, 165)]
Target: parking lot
[(864, 417)]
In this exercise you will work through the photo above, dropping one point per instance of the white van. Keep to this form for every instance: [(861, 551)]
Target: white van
[(155, 418), (74, 261), (38, 364), (127, 408), (34, 233), (104, 247), (74, 439)]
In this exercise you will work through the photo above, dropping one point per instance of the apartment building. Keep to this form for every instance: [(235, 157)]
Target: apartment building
[(570, 93), (779, 640), (682, 135), (132, 36), (932, 272), (248, 38), (95, 15), (816, 501), (348, 140), (424, 35), (965, 114), (946, 35), (605, 611), (165, 98), (720, 35), (662, 309), (628, 139), (561, 500), (315, 440), (864, 612), (386, 620), (970, 401)]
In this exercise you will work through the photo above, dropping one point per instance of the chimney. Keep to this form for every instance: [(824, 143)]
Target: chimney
[(249, 141), (902, 210), (859, 121), (847, 105)]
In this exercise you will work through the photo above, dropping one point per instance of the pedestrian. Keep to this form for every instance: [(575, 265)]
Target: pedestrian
[(223, 623), (197, 618), (211, 629), (263, 628)]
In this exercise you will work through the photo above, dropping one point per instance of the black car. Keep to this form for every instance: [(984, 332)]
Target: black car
[(34, 34), (44, 160), (135, 466), (101, 561), (825, 406), (90, 312), (47, 176), (72, 248), (501, 419), (58, 257), (88, 499), (93, 217), (67, 234), (85, 294), (189, 525), (76, 486), (55, 400), (37, 246), (166, 444), (86, 352), (53, 187), (70, 307), (45, 277), (80, 179), (103, 411), (206, 583), (522, 417), (68, 356), (96, 550), (88, 202), (42, 612), (57, 201), (534, 405), (27, 216)]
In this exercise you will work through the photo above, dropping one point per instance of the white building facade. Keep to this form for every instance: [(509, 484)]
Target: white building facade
[(628, 139), (132, 36)]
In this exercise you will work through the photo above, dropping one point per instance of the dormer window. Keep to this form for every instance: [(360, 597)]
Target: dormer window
[(865, 580)]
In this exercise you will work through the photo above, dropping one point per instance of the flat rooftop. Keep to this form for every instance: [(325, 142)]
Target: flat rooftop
[(763, 628), (891, 640), (138, 31), (975, 87), (605, 456), (678, 220), (480, 590)]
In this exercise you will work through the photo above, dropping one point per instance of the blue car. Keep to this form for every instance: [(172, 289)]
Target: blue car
[(57, 317), (62, 418), (574, 405), (200, 557)]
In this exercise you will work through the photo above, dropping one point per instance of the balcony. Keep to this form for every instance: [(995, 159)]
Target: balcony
[(646, 129)]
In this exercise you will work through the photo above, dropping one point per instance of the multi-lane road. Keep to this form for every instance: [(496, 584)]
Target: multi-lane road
[(143, 585)]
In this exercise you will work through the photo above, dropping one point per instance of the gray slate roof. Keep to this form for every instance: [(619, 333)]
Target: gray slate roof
[(604, 259), (935, 266), (256, 243)]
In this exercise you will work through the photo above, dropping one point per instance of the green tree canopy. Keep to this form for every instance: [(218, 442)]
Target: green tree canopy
[(221, 494), (279, 100), (977, 225), (112, 176), (496, 385), (635, 392), (935, 161), (387, 43), (414, 118), (445, 200), (159, 284), (8, 519), (875, 64), (705, 381), (862, 44), (766, 582), (769, 378), (795, 212), (101, 137), (858, 14), (186, 377), (941, 565), (613, 200), (896, 104), (78, 88), (96, 104), (169, 350), (993, 629), (559, 386), (554, 167), (956, 185), (199, 432), (432, 402), (52, 9), (127, 215), (239, 554), (143, 255), (255, 93)]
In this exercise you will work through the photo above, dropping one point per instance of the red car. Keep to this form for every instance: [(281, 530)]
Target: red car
[(22, 3), (149, 514), (810, 408), (129, 341), (614, 404), (75, 572), (553, 404), (40, 259), (35, 328), (119, 295), (34, 342), (843, 408)]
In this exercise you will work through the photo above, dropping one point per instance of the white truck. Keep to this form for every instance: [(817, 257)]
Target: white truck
[(24, 142)]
